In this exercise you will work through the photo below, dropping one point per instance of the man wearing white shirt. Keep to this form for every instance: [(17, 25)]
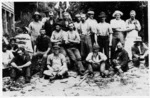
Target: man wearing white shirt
[(96, 61)]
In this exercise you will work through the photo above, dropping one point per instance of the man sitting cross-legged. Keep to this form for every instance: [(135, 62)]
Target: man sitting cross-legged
[(56, 63)]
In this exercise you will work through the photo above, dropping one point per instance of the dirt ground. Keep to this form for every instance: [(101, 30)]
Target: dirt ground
[(135, 83)]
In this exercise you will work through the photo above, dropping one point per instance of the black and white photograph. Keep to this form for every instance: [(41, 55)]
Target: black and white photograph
[(75, 48)]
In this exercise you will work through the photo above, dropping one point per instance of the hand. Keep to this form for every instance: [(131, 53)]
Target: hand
[(142, 57), (19, 68), (118, 67)]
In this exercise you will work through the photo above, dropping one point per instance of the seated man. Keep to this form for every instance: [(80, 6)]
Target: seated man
[(59, 37), (96, 61), (7, 58), (42, 48), (73, 39), (21, 65), (56, 63), (120, 59), (139, 53)]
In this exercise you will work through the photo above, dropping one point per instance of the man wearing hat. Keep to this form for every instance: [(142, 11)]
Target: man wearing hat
[(92, 25), (86, 42), (139, 53), (118, 26), (78, 21), (96, 61), (49, 25), (56, 64), (104, 34), (133, 27), (120, 59), (35, 27)]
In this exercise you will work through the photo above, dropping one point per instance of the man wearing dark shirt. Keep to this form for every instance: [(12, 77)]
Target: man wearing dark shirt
[(49, 25), (42, 48), (21, 65), (120, 59)]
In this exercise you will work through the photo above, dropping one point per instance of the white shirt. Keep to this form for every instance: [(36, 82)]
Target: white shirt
[(56, 61), (73, 35), (84, 28), (35, 29), (92, 23), (7, 57), (99, 57), (120, 24), (104, 29)]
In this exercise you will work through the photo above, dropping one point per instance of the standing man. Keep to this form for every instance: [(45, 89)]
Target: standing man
[(73, 39), (104, 34), (139, 53), (133, 27), (35, 27), (49, 25), (120, 59), (92, 26), (56, 64), (86, 42), (118, 26), (96, 61), (42, 47), (21, 65), (78, 22)]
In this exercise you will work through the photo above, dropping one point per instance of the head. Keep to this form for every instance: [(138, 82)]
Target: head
[(138, 40), (91, 14), (102, 16), (21, 51), (12, 41), (66, 15), (96, 48), (71, 26), (119, 46), (78, 17), (132, 14), (57, 27), (51, 15), (56, 49), (4, 48), (83, 17), (117, 14), (42, 32), (36, 16)]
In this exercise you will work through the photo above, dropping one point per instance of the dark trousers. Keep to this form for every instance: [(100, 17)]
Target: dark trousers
[(75, 56), (103, 42), (86, 45), (15, 73), (123, 67)]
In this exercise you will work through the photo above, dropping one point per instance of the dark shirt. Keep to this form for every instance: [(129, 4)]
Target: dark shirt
[(122, 57), (49, 28), (43, 43), (19, 61)]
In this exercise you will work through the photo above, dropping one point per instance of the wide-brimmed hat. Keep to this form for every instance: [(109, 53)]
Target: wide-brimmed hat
[(56, 46), (37, 13), (95, 47), (138, 39), (102, 14), (91, 12), (117, 12)]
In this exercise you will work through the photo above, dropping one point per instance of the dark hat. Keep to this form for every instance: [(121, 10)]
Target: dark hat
[(56, 46), (102, 14), (96, 47)]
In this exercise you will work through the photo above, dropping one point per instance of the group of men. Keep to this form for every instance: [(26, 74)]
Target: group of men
[(82, 45)]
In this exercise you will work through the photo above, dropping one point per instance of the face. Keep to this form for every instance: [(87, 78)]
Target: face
[(103, 19), (91, 16), (132, 15), (42, 32), (96, 50), (118, 16), (20, 53), (71, 26), (12, 42), (51, 16), (66, 17), (36, 17), (58, 28), (119, 46), (56, 51), (78, 18), (4, 49), (83, 18)]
